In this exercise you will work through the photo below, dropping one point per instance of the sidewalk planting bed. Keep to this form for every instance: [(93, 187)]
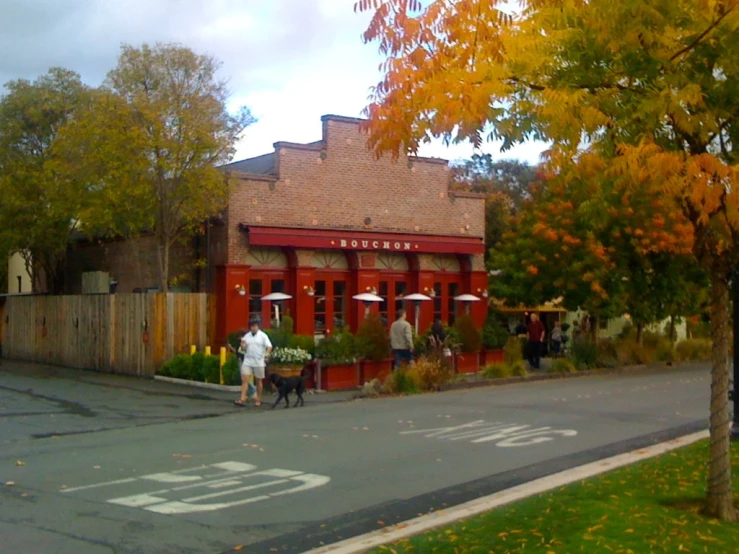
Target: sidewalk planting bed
[(650, 507)]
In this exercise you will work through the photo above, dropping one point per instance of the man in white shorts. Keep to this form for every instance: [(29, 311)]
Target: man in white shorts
[(257, 348)]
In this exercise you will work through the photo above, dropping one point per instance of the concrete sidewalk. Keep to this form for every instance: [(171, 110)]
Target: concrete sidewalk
[(144, 385)]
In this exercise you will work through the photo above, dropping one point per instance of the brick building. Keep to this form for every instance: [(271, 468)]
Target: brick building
[(326, 220), (321, 222)]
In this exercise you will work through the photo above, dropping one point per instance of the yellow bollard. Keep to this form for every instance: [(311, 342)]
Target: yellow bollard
[(207, 350), (193, 349), (223, 362)]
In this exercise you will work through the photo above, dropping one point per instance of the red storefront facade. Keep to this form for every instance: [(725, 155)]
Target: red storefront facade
[(325, 221)]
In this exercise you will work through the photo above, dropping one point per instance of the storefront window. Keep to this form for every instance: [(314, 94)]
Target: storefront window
[(384, 293), (255, 300), (453, 289), (392, 291), (340, 303), (438, 302), (401, 289), (320, 307)]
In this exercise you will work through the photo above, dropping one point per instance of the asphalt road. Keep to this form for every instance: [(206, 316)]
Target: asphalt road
[(107, 464)]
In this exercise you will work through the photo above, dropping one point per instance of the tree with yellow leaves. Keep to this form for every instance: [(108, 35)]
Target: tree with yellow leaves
[(648, 87), (150, 141)]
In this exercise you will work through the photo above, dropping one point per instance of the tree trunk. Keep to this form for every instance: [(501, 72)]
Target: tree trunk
[(640, 333), (720, 503), (163, 255)]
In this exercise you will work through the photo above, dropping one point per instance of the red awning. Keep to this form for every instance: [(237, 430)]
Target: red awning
[(361, 240)]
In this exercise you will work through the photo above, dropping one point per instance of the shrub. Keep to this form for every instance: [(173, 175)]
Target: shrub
[(304, 342), (607, 353), (469, 337), (180, 367), (694, 349), (497, 371), (631, 352), (513, 351), (402, 381), (196, 367), (234, 338), (505, 370), (282, 336), (432, 373), (338, 348), (665, 353), (584, 354), (232, 371), (655, 341), (373, 343), (211, 369), (495, 332), (519, 369), (424, 344), (563, 366)]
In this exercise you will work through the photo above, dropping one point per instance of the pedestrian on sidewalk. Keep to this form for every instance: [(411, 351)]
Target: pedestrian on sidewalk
[(401, 340), (536, 334), (257, 348)]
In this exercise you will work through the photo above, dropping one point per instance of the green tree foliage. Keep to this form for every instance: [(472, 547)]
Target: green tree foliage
[(506, 185), (39, 209), (152, 141)]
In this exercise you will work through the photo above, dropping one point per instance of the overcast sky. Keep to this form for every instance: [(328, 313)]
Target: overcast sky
[(289, 61)]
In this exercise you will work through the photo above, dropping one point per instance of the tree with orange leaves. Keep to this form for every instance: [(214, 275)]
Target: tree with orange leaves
[(648, 87)]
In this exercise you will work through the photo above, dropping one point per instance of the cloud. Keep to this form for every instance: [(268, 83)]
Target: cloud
[(290, 61)]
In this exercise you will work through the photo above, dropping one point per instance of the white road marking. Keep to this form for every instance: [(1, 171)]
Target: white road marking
[(407, 529), (505, 435), (171, 478), (109, 483), (229, 482)]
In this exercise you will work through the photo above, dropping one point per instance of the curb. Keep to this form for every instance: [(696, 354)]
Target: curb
[(425, 523), (198, 384), (556, 376)]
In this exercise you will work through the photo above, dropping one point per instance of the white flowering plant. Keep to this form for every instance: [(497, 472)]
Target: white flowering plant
[(290, 356)]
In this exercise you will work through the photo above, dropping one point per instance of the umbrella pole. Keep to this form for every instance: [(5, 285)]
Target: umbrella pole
[(417, 310)]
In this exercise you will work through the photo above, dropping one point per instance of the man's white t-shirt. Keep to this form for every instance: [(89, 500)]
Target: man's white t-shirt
[(256, 348)]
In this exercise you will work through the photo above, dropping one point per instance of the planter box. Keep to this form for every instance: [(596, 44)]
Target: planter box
[(467, 362), (339, 377), (375, 370), (488, 357)]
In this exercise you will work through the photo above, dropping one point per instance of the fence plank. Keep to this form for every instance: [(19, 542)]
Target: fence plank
[(106, 332)]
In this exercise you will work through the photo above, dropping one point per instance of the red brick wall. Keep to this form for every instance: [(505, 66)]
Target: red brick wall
[(338, 184)]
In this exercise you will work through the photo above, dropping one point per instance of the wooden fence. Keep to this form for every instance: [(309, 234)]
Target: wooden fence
[(119, 333)]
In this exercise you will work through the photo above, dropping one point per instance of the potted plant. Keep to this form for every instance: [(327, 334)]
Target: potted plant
[(288, 362), (495, 335), (337, 354), (373, 349), (467, 359)]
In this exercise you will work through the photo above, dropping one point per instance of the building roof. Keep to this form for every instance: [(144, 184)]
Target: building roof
[(261, 165)]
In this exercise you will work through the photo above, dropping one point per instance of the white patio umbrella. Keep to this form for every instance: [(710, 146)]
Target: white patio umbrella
[(367, 298), (276, 297), (417, 298), (467, 299)]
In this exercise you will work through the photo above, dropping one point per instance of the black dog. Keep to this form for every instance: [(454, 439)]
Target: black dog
[(285, 385)]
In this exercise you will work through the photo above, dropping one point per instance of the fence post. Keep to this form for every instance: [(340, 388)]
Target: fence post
[(223, 362), (193, 349), (207, 350)]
